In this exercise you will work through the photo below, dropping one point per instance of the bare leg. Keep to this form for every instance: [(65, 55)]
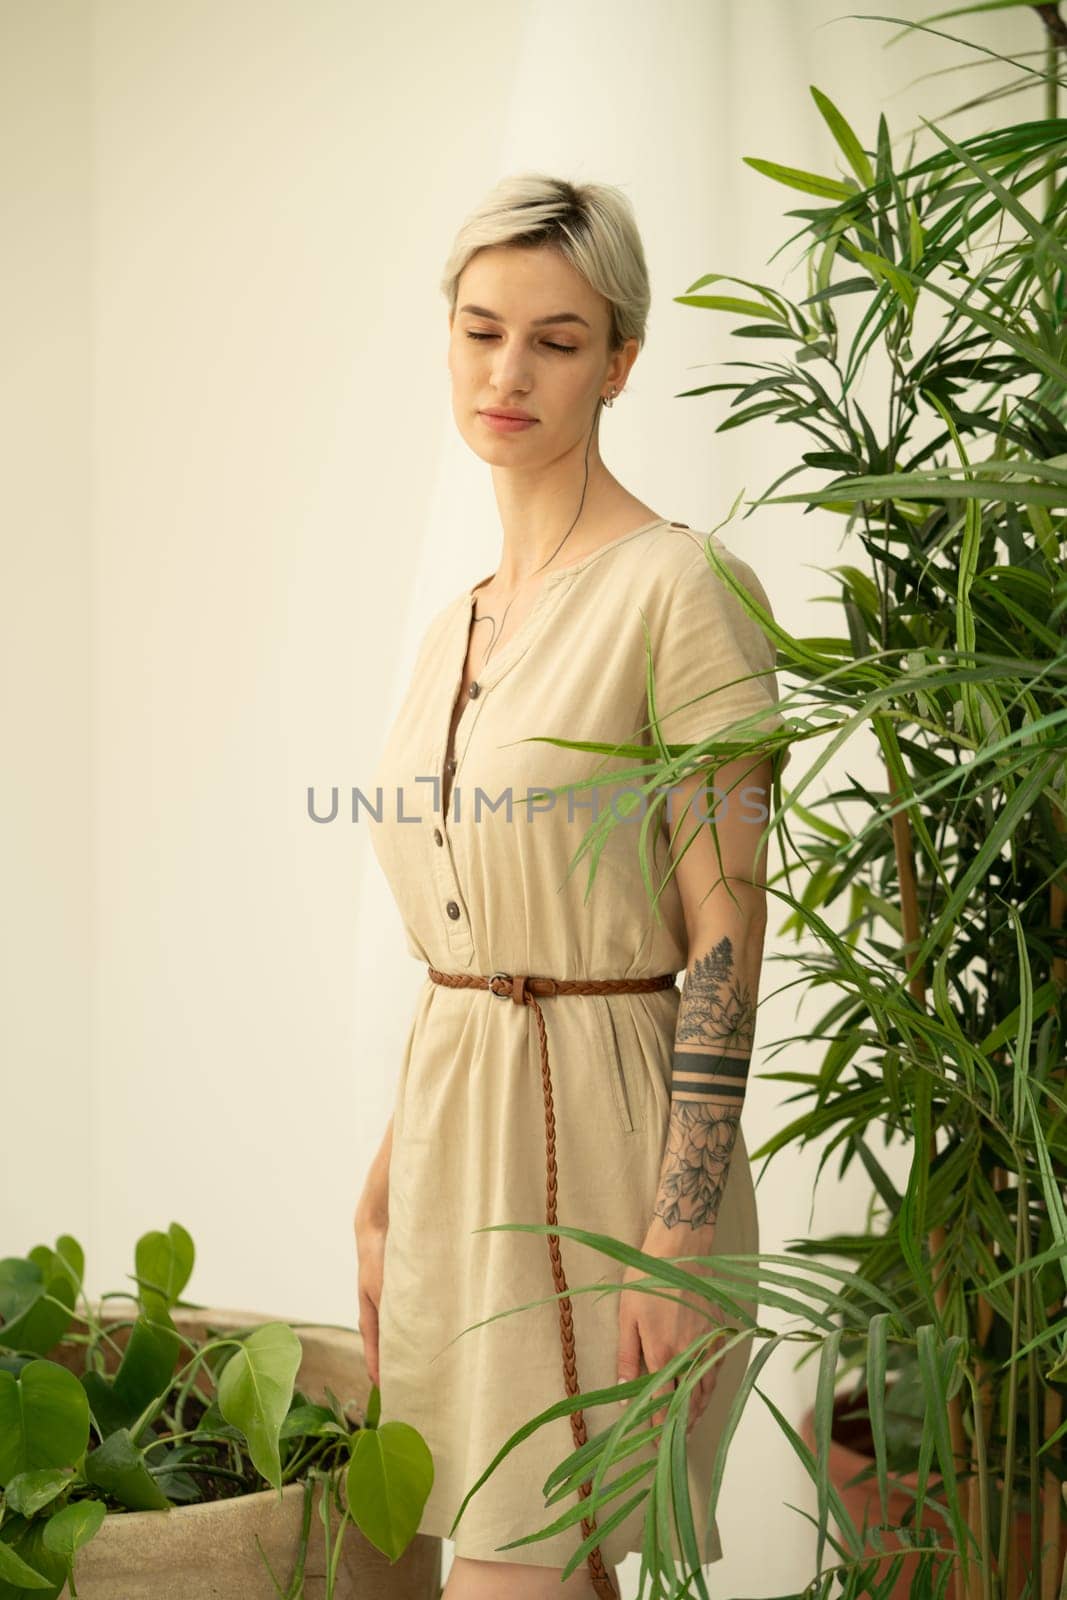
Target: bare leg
[(511, 1580)]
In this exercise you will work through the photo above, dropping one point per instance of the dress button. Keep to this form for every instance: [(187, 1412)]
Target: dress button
[(452, 909), (475, 690), (437, 839), (450, 765)]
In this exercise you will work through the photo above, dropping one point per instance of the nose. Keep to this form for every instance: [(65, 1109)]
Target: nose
[(510, 373)]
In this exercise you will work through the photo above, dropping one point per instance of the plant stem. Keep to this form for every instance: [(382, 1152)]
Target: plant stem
[(909, 911), (1050, 1508), (981, 1417), (986, 1563), (1057, 28), (1007, 1521), (331, 1577)]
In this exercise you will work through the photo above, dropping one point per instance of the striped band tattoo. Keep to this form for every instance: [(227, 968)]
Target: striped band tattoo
[(711, 1076)]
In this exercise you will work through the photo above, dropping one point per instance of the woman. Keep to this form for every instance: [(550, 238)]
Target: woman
[(618, 1110)]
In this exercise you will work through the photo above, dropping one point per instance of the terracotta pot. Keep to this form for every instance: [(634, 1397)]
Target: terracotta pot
[(209, 1551), (850, 1454)]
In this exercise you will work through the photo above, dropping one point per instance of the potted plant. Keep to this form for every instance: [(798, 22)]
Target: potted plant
[(931, 903), (151, 1447), (852, 1459)]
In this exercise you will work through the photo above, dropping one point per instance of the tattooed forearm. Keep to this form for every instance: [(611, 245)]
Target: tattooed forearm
[(715, 1030)]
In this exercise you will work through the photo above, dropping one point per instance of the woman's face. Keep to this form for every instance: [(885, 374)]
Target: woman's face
[(529, 334)]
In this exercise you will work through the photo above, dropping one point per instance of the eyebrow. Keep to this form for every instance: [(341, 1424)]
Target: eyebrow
[(538, 322)]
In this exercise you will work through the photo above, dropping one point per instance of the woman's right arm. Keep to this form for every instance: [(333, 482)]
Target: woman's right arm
[(371, 1225), (373, 1207)]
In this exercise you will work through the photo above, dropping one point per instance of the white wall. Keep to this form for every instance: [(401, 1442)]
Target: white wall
[(233, 494), (49, 711)]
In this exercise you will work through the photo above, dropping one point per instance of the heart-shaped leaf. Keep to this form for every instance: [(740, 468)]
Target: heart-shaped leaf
[(387, 1483), (75, 1525), (67, 1257), (255, 1391), (36, 1300), (44, 1419), (29, 1491), (164, 1264)]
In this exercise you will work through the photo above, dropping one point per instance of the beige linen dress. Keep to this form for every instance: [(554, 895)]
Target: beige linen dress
[(482, 891)]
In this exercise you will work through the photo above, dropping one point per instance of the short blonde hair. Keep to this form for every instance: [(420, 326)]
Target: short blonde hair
[(591, 224)]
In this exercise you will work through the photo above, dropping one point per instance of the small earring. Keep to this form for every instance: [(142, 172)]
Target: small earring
[(609, 399)]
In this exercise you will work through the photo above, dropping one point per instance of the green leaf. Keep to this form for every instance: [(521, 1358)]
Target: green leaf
[(75, 1525), (16, 1571), (916, 238), (917, 487), (729, 302), (853, 151), (118, 1467), (147, 1367), (879, 267), (809, 182), (808, 1460), (834, 290), (255, 1390), (44, 1419), (108, 1414), (969, 11), (29, 1491), (26, 1538), (1044, 360), (387, 1483), (164, 1263), (934, 1364), (71, 1254), (37, 1296), (1041, 236), (773, 296), (373, 1413), (306, 1420)]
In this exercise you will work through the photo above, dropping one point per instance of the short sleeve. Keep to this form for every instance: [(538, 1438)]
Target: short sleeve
[(704, 651)]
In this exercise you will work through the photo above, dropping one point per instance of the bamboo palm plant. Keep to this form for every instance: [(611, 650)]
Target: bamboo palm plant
[(932, 903)]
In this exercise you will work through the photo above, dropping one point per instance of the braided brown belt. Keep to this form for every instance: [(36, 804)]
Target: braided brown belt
[(523, 991)]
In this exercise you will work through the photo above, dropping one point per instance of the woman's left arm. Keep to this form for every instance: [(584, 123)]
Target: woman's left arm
[(725, 904), (724, 900)]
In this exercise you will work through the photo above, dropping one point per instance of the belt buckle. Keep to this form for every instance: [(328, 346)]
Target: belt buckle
[(493, 992)]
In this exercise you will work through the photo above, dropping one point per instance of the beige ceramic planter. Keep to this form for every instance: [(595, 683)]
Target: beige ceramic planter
[(209, 1551)]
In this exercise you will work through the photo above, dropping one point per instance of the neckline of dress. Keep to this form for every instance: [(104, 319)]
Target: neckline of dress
[(502, 659), (577, 566), (520, 640)]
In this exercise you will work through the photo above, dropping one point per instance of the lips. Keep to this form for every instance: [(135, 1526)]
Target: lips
[(511, 416)]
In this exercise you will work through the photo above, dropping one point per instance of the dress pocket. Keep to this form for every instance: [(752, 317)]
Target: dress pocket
[(621, 1089)]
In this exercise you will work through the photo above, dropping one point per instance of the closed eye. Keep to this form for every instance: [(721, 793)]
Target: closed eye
[(567, 349)]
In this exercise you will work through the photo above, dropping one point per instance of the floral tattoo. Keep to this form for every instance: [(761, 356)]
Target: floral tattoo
[(713, 1042)]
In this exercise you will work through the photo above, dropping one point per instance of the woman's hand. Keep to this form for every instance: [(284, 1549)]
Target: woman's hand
[(656, 1329), (370, 1248)]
